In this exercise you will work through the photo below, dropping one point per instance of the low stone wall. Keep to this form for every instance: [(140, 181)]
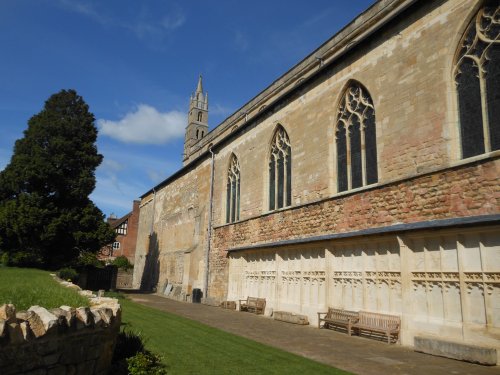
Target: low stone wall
[(290, 317), (63, 340), (462, 352)]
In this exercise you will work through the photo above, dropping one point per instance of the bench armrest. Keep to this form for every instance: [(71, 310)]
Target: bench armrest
[(322, 313)]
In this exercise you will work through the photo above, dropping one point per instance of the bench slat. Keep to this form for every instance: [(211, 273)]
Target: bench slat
[(383, 323), (338, 317), (253, 304)]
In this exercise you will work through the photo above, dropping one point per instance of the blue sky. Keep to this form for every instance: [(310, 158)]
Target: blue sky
[(136, 63)]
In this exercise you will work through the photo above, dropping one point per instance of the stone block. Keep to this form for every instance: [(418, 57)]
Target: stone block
[(15, 333), (23, 315), (84, 317), (96, 316), (42, 321), (3, 328), (48, 347), (290, 317), (455, 350), (8, 312), (26, 330), (69, 314), (51, 359), (210, 301)]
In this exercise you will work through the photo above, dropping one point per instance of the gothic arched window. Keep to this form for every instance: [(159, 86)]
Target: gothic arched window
[(233, 191), (477, 78), (280, 171), (356, 140), (200, 116)]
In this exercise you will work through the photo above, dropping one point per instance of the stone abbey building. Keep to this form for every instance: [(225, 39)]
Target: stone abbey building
[(367, 177)]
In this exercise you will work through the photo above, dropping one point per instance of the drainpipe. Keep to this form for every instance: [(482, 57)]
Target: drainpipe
[(153, 214), (209, 232), (151, 275)]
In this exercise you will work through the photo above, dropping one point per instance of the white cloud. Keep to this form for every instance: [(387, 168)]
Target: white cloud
[(111, 165), (85, 9), (174, 20), (146, 24), (146, 126)]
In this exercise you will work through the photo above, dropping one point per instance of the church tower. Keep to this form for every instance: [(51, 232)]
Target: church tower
[(197, 126)]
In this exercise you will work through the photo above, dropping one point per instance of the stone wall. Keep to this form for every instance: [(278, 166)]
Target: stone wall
[(63, 340), (458, 192), (444, 284), (173, 233)]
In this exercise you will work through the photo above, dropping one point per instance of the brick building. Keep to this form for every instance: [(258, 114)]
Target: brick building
[(126, 236), (365, 178)]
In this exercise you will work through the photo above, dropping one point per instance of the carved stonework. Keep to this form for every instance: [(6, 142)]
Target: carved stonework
[(471, 286)]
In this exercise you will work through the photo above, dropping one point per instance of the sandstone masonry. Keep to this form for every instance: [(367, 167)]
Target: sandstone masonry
[(64, 340)]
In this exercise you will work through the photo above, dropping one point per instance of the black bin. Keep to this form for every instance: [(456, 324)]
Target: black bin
[(197, 294)]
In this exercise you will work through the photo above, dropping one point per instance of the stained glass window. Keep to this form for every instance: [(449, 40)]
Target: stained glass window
[(280, 171), (356, 140), (233, 191), (477, 78)]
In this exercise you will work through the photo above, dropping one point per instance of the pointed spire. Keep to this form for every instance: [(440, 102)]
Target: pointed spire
[(199, 88)]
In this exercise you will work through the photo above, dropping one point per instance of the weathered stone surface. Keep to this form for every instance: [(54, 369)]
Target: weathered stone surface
[(52, 348), (87, 293), (290, 317), (96, 316), (463, 352), (84, 317), (26, 330), (211, 301), (106, 315), (23, 315), (42, 321), (15, 332), (8, 312), (69, 314), (3, 328)]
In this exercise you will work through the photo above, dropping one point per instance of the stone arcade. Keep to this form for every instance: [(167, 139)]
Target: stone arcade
[(365, 178)]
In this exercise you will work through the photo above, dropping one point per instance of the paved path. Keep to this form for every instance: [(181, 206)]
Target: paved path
[(355, 354)]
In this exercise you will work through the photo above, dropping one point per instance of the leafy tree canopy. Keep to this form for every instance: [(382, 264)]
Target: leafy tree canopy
[(46, 216)]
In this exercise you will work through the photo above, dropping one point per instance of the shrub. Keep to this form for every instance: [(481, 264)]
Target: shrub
[(122, 262), (68, 274), (4, 260), (128, 344), (87, 258), (131, 357), (25, 259), (145, 363)]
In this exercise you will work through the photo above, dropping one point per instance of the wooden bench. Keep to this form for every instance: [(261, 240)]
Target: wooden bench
[(253, 304), (387, 324), (338, 317)]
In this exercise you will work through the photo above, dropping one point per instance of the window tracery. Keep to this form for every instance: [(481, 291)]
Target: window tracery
[(233, 191), (280, 171), (356, 140), (477, 79)]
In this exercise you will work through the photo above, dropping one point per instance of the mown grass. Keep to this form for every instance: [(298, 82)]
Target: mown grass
[(189, 347), (26, 287)]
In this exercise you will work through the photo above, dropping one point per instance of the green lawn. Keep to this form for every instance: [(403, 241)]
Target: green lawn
[(26, 287), (189, 347)]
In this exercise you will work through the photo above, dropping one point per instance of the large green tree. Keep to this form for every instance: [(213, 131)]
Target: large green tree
[(46, 216)]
